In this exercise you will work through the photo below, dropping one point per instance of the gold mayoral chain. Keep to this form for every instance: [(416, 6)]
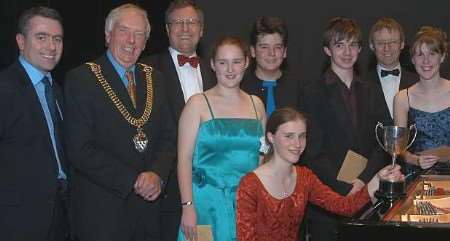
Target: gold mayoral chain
[(140, 139)]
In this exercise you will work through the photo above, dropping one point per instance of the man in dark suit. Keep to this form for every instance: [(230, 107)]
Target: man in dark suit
[(343, 112), (267, 79), (120, 136), (387, 40), (185, 74), (33, 177)]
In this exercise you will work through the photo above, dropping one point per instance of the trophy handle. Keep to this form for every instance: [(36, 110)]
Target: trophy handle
[(380, 125), (413, 126)]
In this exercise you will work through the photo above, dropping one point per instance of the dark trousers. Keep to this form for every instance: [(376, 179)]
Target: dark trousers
[(59, 228), (170, 212)]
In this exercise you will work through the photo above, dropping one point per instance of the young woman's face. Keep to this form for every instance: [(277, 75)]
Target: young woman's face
[(427, 62), (289, 140), (269, 52), (229, 64)]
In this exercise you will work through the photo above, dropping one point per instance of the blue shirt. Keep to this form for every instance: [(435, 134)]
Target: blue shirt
[(119, 69), (36, 77)]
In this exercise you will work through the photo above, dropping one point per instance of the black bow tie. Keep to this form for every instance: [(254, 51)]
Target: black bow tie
[(395, 72)]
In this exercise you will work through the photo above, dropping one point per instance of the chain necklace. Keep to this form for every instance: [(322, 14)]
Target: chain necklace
[(140, 139), (286, 188)]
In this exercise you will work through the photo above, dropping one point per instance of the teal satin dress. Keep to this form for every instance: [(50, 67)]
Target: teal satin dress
[(225, 150)]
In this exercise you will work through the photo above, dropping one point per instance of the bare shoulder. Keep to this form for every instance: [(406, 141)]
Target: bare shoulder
[(259, 105)]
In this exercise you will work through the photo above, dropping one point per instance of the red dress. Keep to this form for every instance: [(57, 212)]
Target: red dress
[(261, 217)]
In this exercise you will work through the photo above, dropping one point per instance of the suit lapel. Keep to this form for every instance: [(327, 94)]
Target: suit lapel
[(407, 79), (34, 106), (141, 89), (173, 84), (337, 106), (30, 96), (207, 79)]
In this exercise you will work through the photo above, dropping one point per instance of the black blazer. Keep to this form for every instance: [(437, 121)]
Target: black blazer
[(28, 166), (331, 134), (288, 92), (100, 147), (407, 79), (164, 63)]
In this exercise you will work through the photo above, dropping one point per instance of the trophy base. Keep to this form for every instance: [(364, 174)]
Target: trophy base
[(391, 190)]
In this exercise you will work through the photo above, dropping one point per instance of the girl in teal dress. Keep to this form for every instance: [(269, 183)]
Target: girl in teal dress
[(218, 143), (426, 103)]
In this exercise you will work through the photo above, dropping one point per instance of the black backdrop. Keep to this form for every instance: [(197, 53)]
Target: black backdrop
[(84, 25)]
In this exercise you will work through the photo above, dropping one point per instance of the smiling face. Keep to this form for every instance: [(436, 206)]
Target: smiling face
[(127, 37), (387, 46), (289, 140), (269, 52), (343, 54), (42, 44), (229, 63), (427, 62), (184, 30)]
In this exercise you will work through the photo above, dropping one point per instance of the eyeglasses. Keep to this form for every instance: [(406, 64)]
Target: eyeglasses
[(351, 45), (388, 43), (190, 22)]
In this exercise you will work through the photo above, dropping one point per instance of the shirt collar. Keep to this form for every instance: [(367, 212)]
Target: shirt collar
[(175, 52), (35, 75), (332, 78), (119, 68)]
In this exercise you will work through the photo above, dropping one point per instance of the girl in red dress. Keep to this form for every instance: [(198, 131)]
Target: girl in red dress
[(272, 199)]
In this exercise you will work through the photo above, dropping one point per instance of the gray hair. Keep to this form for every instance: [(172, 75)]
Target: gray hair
[(114, 14)]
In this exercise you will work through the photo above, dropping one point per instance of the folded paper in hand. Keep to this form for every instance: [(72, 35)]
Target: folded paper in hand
[(353, 165), (443, 152), (204, 233)]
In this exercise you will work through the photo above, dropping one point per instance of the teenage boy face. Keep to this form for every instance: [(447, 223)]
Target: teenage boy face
[(343, 54)]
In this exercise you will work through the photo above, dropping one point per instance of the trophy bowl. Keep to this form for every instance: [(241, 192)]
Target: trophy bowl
[(395, 141)]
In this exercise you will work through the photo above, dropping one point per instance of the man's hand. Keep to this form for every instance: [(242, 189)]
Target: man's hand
[(148, 185)]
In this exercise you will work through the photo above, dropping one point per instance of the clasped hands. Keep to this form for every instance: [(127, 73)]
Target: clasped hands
[(148, 185)]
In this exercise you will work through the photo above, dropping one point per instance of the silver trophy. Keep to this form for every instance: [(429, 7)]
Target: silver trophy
[(395, 142)]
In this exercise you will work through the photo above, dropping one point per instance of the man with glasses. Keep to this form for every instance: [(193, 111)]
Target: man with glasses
[(343, 111), (387, 40), (185, 74)]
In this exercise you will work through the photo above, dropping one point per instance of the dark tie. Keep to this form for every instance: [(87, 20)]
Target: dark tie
[(270, 97), (56, 118), (131, 87), (193, 61), (395, 72)]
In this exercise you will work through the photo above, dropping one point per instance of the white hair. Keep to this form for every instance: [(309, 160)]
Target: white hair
[(114, 14)]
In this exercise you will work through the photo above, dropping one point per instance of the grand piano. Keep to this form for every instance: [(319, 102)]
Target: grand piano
[(422, 214)]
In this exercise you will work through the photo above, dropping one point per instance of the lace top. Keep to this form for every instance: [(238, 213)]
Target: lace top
[(262, 217)]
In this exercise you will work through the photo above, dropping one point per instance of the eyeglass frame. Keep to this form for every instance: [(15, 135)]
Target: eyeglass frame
[(189, 22), (389, 43)]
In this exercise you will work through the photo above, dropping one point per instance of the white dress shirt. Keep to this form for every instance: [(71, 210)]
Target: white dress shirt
[(190, 78), (390, 85)]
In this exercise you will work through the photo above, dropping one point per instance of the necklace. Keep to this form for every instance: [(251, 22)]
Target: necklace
[(287, 188), (140, 140)]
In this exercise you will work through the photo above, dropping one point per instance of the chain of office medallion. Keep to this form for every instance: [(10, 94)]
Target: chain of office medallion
[(137, 122)]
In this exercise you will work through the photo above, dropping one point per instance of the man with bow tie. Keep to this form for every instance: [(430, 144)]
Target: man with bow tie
[(185, 74), (387, 40)]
